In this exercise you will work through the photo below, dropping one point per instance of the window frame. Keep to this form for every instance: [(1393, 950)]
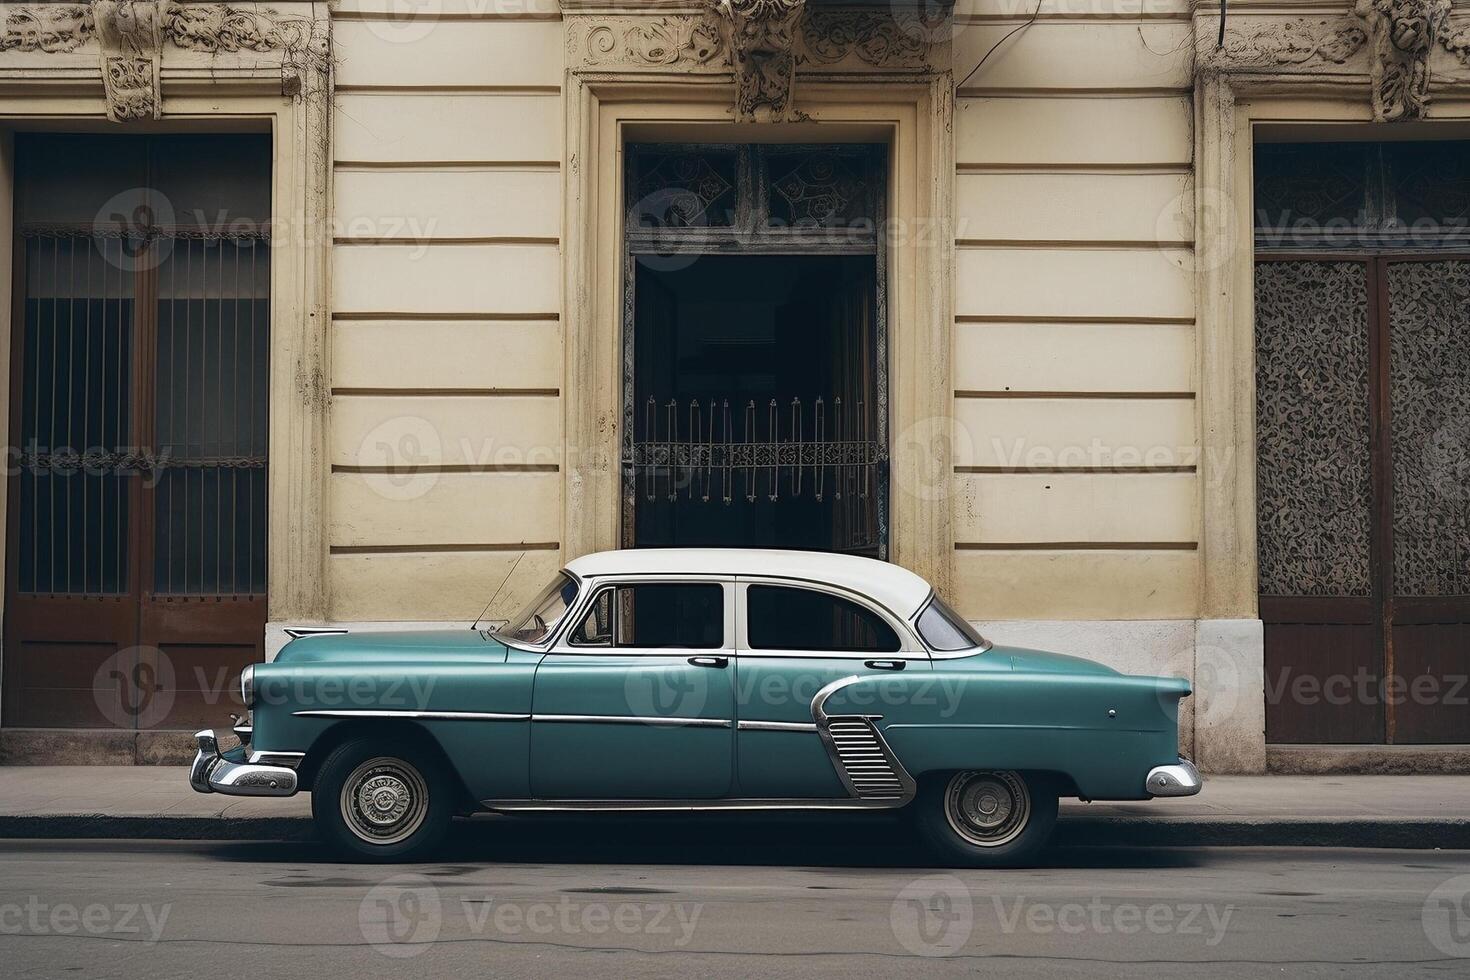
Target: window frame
[(909, 646)]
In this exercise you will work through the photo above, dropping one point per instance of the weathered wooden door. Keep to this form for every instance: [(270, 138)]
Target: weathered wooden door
[(1363, 474), (135, 579)]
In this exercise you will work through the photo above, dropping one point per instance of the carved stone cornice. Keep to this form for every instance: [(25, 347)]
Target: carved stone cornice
[(131, 36), (764, 48), (1395, 44)]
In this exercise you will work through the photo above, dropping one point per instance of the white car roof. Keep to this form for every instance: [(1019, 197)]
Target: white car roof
[(899, 589)]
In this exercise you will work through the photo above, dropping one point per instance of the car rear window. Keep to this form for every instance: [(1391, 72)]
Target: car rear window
[(779, 618), (945, 630)]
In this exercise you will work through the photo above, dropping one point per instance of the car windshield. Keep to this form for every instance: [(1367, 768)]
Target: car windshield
[(946, 630), (536, 622)]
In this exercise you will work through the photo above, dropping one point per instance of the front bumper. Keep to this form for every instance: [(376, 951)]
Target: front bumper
[(216, 772), (1180, 779)]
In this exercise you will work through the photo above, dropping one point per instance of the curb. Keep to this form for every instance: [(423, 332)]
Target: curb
[(1432, 834)]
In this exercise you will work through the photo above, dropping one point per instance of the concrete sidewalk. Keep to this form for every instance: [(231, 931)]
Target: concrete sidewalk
[(1345, 811)]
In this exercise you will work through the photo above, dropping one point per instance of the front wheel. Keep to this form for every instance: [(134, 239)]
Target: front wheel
[(378, 800), (984, 818)]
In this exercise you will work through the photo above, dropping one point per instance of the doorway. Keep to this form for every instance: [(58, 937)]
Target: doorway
[(136, 564), (1362, 292), (755, 378)]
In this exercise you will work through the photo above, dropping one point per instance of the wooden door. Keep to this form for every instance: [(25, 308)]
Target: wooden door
[(1363, 480), (135, 585)]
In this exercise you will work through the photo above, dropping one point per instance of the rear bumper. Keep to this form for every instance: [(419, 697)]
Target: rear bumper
[(1180, 779), (213, 772)]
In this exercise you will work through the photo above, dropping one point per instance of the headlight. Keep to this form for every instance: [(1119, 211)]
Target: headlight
[(247, 686)]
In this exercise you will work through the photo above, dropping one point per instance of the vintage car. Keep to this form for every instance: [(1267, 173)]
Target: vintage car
[(695, 680)]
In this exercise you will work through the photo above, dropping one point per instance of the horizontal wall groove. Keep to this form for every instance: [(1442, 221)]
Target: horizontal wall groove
[(1088, 92), (1072, 17), (1099, 470), (444, 317), (399, 17), (432, 468), (1076, 546), (467, 240), (431, 88), (1136, 395), (1100, 169), (470, 165), (1149, 321), (1078, 244), (405, 549), (447, 392)]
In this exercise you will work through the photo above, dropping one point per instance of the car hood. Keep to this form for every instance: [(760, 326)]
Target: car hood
[(1027, 661), (375, 647)]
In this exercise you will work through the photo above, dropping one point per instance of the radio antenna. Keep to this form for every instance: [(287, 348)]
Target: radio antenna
[(475, 625)]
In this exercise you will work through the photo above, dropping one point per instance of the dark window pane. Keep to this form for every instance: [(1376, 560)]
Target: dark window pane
[(1430, 184), (683, 190), (671, 616), (79, 178), (803, 619), (1308, 193), (817, 189)]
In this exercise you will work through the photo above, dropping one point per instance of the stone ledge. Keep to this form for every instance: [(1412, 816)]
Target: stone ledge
[(1375, 760)]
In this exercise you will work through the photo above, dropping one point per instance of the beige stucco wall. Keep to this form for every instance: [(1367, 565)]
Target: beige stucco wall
[(446, 428), (1074, 340), (1073, 349)]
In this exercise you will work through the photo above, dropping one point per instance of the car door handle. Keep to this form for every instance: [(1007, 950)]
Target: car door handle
[(885, 664), (709, 661)]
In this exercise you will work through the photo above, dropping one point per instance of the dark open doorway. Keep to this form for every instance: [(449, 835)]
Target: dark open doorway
[(755, 394)]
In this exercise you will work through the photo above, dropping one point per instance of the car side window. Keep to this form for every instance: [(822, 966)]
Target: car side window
[(655, 615), (781, 618)]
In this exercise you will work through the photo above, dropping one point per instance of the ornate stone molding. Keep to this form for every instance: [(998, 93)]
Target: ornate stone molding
[(827, 39), (1403, 33), (1297, 44), (131, 36), (761, 37)]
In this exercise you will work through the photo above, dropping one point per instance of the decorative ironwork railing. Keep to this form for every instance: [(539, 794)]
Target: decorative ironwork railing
[(697, 451)]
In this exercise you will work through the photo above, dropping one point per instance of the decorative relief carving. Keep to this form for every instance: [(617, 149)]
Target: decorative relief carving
[(1300, 43), (54, 28), (131, 34), (665, 42), (761, 38), (1403, 32), (877, 39)]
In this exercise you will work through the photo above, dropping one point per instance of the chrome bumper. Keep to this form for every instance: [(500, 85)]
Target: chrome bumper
[(1180, 779), (214, 773)]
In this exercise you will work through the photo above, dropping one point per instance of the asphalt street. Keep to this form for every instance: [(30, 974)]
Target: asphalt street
[(715, 898)]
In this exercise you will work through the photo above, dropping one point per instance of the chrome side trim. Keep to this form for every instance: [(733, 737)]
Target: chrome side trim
[(655, 720), (776, 726), (860, 754), (549, 806), (291, 760), (301, 632), (410, 714), (1180, 779)]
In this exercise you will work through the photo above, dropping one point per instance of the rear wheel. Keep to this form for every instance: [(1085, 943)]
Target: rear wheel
[(378, 800), (985, 818)]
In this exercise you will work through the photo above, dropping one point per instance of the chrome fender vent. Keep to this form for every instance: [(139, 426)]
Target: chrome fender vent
[(861, 756)]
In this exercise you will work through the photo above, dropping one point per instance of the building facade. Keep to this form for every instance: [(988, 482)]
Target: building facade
[(1140, 336)]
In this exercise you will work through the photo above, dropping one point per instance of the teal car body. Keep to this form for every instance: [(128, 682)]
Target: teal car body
[(709, 680)]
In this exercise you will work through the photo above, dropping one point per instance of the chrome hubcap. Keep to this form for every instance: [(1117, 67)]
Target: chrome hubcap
[(384, 800), (986, 808)]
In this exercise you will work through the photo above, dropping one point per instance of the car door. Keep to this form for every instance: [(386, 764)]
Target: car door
[(794, 639), (637, 701)]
